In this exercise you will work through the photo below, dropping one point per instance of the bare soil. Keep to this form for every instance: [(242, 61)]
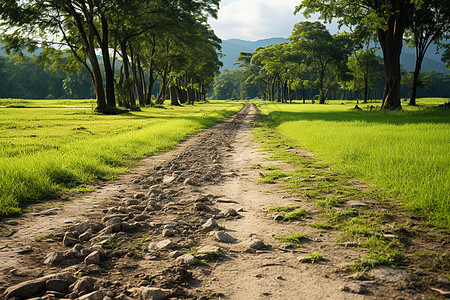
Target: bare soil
[(208, 176)]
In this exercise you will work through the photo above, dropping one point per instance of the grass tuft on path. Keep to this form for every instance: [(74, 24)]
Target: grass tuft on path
[(50, 145)]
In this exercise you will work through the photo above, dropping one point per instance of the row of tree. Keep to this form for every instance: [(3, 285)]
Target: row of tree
[(27, 79), (165, 39), (422, 22), (347, 62), (234, 84)]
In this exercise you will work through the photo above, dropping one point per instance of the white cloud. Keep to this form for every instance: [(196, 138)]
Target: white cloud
[(255, 19)]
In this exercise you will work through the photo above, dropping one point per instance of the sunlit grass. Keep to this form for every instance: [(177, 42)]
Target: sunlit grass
[(45, 149), (404, 154)]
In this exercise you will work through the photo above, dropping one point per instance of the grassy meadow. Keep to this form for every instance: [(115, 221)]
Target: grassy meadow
[(403, 154), (50, 145)]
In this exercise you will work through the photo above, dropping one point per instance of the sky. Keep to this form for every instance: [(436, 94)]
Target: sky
[(257, 19)]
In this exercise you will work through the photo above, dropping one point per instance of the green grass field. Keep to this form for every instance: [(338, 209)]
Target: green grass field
[(404, 154), (49, 145)]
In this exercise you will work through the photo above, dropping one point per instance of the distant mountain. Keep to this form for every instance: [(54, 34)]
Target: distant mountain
[(233, 47)]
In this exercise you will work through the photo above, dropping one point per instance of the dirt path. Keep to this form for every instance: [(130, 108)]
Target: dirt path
[(141, 225)]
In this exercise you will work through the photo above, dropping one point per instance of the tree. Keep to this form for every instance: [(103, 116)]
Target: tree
[(387, 17), (366, 67), (430, 23), (321, 50), (446, 56)]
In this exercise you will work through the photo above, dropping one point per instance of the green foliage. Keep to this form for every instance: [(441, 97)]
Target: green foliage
[(296, 238), (402, 153), (289, 213), (315, 257), (377, 258), (43, 151)]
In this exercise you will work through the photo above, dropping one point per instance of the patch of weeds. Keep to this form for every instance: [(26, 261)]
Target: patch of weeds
[(192, 250), (433, 261), (328, 202), (314, 257), (288, 208), (334, 216), (298, 214), (268, 192), (272, 177), (295, 238), (112, 243), (290, 212), (140, 239), (321, 225), (203, 262), (390, 258), (5, 231), (150, 277), (39, 239), (256, 166)]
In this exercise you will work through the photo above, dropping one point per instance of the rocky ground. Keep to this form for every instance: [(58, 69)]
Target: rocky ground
[(189, 224)]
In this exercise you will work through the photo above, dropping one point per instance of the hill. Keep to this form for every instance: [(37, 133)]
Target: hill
[(233, 47)]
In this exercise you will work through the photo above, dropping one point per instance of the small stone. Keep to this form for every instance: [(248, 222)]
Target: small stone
[(350, 244), (138, 196), (57, 285), (254, 244), (53, 258), (189, 181), (187, 259), (127, 227), (153, 293), (97, 295), (93, 258), (161, 245), (83, 227), (131, 202), (168, 232), (69, 241), (224, 237), (391, 275), (355, 288), (140, 217), (208, 249), (25, 289), (175, 254), (231, 212), (305, 259), (86, 236), (210, 225), (355, 203), (84, 285), (278, 218), (113, 221)]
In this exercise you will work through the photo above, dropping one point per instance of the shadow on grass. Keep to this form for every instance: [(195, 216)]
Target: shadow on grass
[(436, 115)]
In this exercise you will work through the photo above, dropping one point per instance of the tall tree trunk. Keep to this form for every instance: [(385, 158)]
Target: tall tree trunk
[(137, 80), (109, 73), (162, 91), (126, 70), (174, 96), (391, 42), (366, 89), (419, 60)]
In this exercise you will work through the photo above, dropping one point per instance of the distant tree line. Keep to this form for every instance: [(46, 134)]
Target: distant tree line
[(345, 65), (27, 79), (152, 39)]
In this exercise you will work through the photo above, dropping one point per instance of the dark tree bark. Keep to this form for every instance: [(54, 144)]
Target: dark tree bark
[(391, 42)]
